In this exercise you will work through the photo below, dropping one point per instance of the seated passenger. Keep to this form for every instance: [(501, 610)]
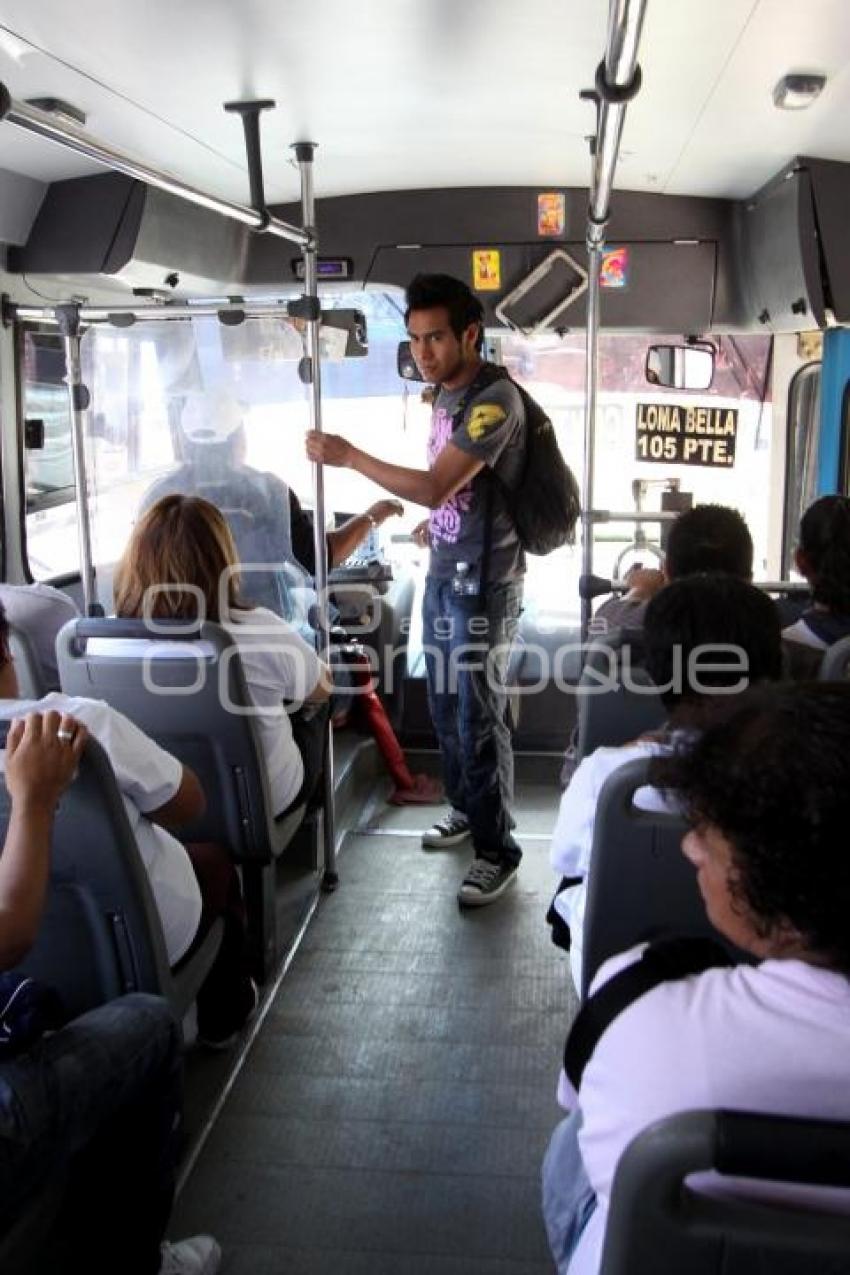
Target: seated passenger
[(707, 538), (192, 885), (92, 1109), (185, 542), (767, 792), (823, 557), (39, 611), (687, 615), (272, 534)]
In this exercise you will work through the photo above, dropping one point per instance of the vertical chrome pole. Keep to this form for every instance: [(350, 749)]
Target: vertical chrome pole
[(304, 152), (594, 260), (68, 318), (618, 79)]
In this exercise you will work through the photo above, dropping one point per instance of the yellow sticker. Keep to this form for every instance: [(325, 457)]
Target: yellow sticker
[(484, 416), (486, 270)]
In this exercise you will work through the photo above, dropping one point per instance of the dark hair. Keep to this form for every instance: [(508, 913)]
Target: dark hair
[(709, 538), (774, 777), (825, 544), (707, 611), (427, 291)]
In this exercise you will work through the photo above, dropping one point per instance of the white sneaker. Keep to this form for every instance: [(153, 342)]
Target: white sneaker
[(199, 1255), (449, 831)]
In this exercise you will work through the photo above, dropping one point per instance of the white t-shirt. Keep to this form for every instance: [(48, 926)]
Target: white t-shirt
[(801, 633), (148, 777), (572, 839), (773, 1038), (278, 665), (40, 611)]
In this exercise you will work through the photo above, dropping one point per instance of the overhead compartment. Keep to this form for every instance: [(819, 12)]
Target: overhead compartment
[(779, 253), (110, 225)]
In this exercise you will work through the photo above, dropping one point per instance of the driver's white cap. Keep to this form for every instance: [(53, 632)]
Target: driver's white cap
[(210, 418)]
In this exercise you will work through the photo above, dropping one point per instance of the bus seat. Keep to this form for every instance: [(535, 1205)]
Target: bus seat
[(179, 697), (656, 1223), (32, 683), (615, 714), (835, 665), (100, 936), (640, 885)]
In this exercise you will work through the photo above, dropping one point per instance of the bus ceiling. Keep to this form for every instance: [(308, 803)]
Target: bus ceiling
[(715, 225)]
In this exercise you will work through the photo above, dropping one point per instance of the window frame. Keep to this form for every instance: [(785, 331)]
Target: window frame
[(792, 512)]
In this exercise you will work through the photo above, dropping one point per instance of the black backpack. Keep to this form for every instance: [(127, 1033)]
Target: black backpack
[(545, 504)]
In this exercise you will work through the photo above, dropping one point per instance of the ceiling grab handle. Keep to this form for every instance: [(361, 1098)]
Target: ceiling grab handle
[(68, 319), (618, 79), (43, 124), (312, 375)]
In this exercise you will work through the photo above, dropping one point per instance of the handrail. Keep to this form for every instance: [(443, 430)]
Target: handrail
[(617, 80), (43, 124)]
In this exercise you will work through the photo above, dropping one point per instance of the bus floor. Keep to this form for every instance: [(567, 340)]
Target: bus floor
[(391, 1112)]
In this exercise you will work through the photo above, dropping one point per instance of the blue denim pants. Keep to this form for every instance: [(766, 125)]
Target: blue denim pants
[(568, 1198), (467, 646), (94, 1109)]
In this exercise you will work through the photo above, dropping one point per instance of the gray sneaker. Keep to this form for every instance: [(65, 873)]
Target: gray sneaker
[(449, 831), (485, 882)]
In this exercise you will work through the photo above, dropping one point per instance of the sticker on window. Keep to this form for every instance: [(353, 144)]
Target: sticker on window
[(679, 434), (551, 213), (614, 268), (486, 270)]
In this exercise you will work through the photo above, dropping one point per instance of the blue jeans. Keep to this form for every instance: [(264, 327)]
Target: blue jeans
[(94, 1109), (466, 658), (568, 1198)]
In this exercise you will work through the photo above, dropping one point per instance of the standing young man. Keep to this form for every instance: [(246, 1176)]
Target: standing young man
[(473, 593)]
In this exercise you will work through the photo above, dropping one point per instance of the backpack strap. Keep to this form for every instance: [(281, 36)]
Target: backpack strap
[(487, 374), (662, 962)]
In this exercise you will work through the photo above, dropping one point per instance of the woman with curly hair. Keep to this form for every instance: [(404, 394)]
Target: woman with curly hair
[(767, 793)]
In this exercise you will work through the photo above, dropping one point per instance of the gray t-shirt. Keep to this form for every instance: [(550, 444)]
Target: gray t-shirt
[(492, 429)]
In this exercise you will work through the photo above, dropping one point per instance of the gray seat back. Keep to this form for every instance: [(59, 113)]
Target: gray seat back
[(192, 699), (616, 700), (835, 665), (100, 936), (640, 885), (657, 1223), (32, 683), (190, 702)]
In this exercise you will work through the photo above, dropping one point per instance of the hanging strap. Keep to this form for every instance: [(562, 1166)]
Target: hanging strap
[(662, 962)]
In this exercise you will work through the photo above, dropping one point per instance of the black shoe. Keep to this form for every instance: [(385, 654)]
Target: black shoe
[(449, 831), (485, 882)]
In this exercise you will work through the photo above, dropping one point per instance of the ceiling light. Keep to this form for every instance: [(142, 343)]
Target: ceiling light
[(796, 92)]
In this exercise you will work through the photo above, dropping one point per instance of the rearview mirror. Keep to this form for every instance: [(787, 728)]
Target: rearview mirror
[(680, 367), (406, 363)]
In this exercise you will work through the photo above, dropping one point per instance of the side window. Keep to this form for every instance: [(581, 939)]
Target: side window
[(50, 507), (801, 454)]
